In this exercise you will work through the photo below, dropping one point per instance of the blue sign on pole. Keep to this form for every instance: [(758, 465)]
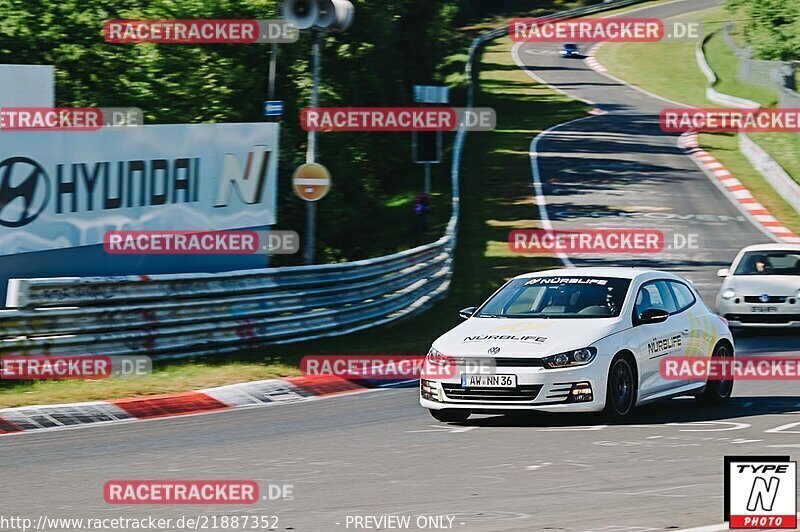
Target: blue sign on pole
[(273, 108)]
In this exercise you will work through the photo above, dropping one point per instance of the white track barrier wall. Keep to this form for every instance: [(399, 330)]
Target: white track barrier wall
[(182, 315), (762, 161)]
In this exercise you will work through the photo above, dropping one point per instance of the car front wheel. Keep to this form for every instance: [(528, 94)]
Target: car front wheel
[(621, 389)]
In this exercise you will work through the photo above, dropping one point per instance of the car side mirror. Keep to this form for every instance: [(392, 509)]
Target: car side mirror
[(723, 272), (467, 312), (653, 315)]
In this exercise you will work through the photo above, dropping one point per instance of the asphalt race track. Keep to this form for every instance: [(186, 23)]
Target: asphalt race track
[(378, 453)]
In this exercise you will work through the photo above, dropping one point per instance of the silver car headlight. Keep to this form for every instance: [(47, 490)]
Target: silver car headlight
[(728, 293), (578, 357)]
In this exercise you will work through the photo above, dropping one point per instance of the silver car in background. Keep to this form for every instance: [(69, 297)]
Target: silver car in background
[(762, 287)]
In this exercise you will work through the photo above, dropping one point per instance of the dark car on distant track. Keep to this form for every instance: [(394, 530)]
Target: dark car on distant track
[(570, 50)]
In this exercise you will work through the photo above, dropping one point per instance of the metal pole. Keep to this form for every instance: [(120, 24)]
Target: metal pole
[(428, 179), (273, 65), (311, 148)]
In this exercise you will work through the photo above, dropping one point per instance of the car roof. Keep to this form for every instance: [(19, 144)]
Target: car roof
[(773, 247), (618, 272)]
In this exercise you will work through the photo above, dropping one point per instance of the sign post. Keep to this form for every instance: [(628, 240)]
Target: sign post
[(311, 183), (311, 145), (319, 16), (427, 146)]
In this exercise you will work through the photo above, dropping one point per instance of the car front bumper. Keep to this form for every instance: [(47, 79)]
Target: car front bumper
[(548, 390), (759, 315)]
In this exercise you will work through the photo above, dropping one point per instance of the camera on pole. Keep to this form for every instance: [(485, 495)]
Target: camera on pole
[(331, 15)]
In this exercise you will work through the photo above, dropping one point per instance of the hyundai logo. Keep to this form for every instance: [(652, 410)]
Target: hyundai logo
[(494, 350), (24, 191), (764, 298)]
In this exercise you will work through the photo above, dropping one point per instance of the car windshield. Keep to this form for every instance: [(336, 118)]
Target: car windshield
[(769, 263), (570, 46), (558, 297)]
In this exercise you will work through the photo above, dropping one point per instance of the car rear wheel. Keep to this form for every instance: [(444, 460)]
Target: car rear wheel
[(718, 391), (621, 389), (450, 416)]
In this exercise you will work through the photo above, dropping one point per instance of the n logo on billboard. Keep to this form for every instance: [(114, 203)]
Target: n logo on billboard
[(248, 183), (761, 492)]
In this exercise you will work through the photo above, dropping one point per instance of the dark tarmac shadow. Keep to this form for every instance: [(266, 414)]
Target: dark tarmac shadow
[(679, 410)]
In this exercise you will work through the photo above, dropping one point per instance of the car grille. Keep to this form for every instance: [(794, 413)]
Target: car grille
[(523, 393), (501, 362), (772, 299), (763, 318)]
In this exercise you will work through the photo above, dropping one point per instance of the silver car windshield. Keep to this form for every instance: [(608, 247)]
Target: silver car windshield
[(558, 297), (769, 263)]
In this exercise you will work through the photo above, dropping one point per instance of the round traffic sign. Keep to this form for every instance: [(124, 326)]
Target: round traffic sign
[(311, 181)]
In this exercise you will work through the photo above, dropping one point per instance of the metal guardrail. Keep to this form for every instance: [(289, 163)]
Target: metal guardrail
[(198, 314)]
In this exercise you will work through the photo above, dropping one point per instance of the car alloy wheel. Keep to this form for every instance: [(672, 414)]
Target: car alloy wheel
[(621, 389), (718, 391)]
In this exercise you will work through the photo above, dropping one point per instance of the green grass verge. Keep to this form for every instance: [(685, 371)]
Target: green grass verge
[(666, 68), (784, 148), (669, 69), (496, 197), (725, 65), (171, 378), (725, 147)]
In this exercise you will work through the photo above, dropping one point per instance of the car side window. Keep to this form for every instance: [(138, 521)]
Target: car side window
[(683, 295), (655, 294)]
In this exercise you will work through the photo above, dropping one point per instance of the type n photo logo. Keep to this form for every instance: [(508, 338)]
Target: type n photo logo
[(761, 492)]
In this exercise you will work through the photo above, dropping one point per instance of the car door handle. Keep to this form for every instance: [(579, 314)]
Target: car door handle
[(686, 332)]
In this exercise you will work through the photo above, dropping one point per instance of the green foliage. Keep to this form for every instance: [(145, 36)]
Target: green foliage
[(772, 27), (392, 45)]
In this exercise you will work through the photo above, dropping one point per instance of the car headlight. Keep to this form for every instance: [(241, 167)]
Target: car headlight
[(798, 294), (578, 357), (728, 293), (435, 358)]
